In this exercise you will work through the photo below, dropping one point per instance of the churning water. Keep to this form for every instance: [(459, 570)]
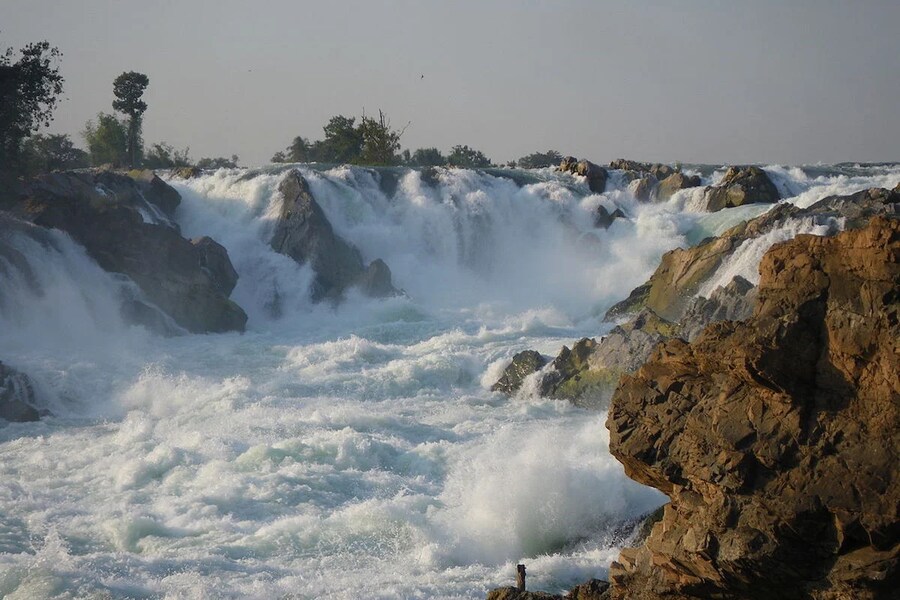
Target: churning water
[(340, 452)]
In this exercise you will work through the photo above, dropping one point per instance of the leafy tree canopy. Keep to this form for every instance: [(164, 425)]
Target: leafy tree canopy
[(29, 92), (219, 163), (128, 89), (380, 143), (106, 140), (46, 153), (463, 156), (539, 160), (343, 141), (165, 156), (427, 157)]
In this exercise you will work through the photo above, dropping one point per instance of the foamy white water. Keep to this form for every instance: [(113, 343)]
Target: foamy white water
[(338, 452)]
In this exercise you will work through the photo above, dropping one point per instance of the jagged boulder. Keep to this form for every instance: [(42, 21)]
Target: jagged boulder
[(124, 228), (643, 188), (523, 364), (603, 218), (657, 170), (673, 183), (215, 262), (776, 439), (595, 174), (187, 172), (154, 190), (741, 185), (594, 589), (683, 271), (304, 233), (17, 398)]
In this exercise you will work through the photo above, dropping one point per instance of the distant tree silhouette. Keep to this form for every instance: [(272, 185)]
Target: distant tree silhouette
[(29, 92), (463, 156), (539, 160), (128, 89), (107, 140), (427, 157)]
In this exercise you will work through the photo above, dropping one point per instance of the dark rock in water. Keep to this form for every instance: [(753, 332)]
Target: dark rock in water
[(673, 183), (156, 191), (682, 272), (17, 399), (187, 172), (214, 260), (124, 232), (776, 439), (304, 233), (732, 302), (595, 174), (523, 364), (594, 589), (639, 169), (741, 185), (603, 218), (643, 188), (375, 281), (571, 377)]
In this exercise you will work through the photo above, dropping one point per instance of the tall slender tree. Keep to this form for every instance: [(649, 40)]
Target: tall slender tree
[(128, 88)]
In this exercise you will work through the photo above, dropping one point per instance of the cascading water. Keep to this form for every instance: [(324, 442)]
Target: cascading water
[(349, 451)]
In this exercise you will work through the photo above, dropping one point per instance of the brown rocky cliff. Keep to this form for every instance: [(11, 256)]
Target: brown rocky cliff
[(777, 438)]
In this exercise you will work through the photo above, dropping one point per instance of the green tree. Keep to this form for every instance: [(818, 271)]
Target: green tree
[(128, 89), (540, 160), (107, 140), (380, 143), (343, 140), (463, 156), (219, 163), (46, 153), (165, 156), (427, 157), (29, 92)]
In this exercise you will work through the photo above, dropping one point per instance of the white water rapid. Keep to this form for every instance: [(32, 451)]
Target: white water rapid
[(348, 452)]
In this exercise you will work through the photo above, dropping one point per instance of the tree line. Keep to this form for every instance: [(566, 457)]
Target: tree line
[(30, 89)]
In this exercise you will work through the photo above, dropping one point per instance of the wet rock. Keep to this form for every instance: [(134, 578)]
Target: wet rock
[(732, 302), (187, 172), (511, 593), (657, 170), (215, 262), (682, 272), (123, 227), (523, 364), (643, 188), (304, 233), (775, 439), (603, 218), (673, 183), (155, 190), (740, 186), (595, 174), (17, 398), (594, 589)]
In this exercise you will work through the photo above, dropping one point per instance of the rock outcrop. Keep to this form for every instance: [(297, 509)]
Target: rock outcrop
[(523, 364), (657, 170), (741, 185), (304, 233), (595, 174), (214, 261), (17, 398), (595, 589), (776, 439), (673, 183), (683, 271), (603, 218), (123, 224)]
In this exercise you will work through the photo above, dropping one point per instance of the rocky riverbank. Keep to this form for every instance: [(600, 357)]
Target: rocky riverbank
[(769, 414)]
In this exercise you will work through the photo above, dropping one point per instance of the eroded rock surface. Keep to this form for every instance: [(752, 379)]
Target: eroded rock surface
[(741, 185), (595, 174), (123, 223), (523, 364), (776, 439), (304, 233), (673, 183)]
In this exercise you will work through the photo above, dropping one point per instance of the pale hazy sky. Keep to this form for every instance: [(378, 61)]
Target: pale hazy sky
[(697, 81)]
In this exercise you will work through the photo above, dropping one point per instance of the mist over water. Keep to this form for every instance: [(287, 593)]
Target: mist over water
[(343, 452)]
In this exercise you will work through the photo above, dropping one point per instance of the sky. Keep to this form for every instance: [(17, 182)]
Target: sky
[(767, 81)]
